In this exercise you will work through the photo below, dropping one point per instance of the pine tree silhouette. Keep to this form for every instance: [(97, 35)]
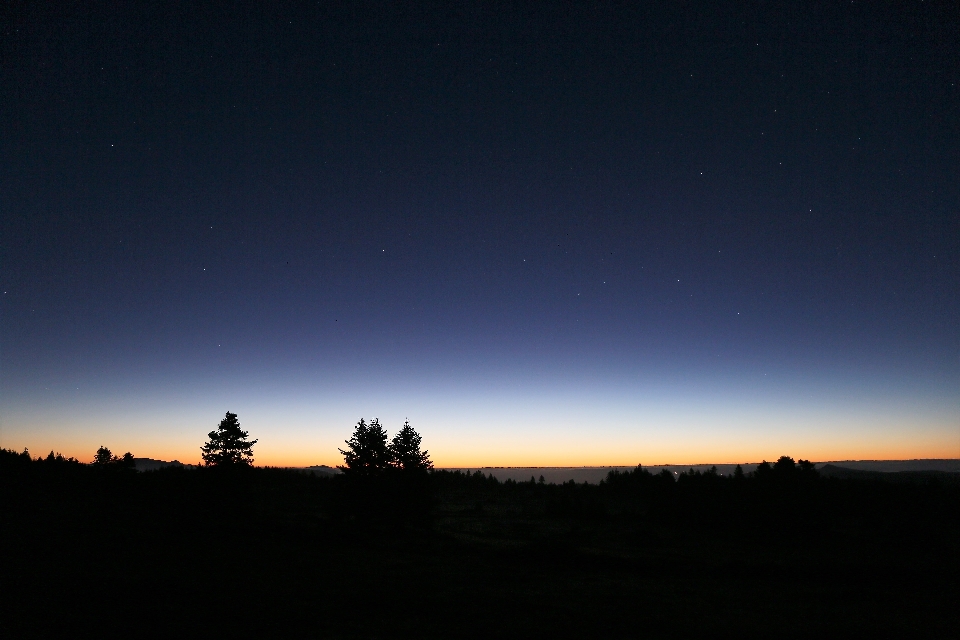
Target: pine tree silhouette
[(367, 452), (228, 444), (405, 450)]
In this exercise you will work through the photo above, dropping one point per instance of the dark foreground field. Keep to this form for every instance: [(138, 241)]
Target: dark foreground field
[(278, 553)]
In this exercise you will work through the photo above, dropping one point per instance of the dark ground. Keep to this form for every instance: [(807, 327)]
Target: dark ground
[(277, 553)]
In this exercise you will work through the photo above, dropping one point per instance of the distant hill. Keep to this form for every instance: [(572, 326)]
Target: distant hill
[(910, 469), (149, 464), (593, 475), (931, 464), (925, 475), (321, 470)]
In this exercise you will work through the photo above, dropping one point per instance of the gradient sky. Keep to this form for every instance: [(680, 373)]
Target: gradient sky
[(547, 234)]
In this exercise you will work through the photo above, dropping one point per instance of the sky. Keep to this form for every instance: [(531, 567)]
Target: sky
[(545, 233)]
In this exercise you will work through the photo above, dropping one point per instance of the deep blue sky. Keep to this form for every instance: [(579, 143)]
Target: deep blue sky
[(547, 234)]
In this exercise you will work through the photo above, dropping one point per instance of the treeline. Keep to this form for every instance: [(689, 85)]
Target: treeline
[(393, 480), (784, 503), (102, 459), (391, 537)]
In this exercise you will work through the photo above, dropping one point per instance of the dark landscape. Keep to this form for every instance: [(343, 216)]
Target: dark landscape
[(279, 552), (561, 239)]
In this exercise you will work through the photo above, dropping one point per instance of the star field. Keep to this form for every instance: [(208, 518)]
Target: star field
[(547, 234)]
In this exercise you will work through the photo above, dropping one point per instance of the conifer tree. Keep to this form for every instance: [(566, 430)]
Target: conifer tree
[(228, 444), (367, 452), (405, 450)]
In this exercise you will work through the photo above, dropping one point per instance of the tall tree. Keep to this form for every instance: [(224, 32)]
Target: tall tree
[(104, 456), (367, 452), (228, 444), (405, 450)]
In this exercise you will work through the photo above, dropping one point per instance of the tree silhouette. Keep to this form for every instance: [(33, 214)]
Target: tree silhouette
[(784, 467), (763, 471), (228, 444), (807, 468), (405, 450), (58, 459), (126, 461), (104, 456), (367, 453)]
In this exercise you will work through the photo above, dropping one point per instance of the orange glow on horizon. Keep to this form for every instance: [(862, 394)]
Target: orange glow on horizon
[(508, 449), (557, 459)]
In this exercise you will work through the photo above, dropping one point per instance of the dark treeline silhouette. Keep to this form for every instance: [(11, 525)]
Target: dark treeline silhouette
[(104, 458), (369, 454), (779, 500), (410, 550), (384, 480)]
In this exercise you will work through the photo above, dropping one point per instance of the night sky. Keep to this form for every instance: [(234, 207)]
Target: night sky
[(547, 234)]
